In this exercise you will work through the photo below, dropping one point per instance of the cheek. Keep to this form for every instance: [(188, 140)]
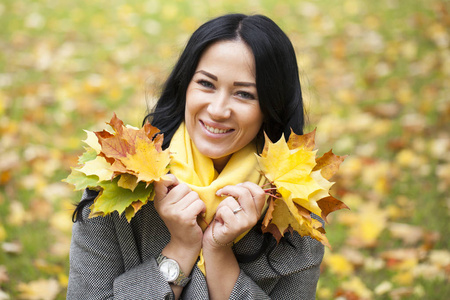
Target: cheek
[(252, 122), (193, 96), (255, 119), (190, 106), (191, 112)]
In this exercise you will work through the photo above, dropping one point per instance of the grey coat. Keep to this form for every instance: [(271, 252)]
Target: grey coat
[(113, 259)]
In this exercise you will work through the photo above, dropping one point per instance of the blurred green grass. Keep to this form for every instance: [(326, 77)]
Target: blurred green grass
[(376, 83)]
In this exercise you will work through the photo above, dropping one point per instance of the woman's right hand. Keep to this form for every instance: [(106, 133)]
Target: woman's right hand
[(179, 206)]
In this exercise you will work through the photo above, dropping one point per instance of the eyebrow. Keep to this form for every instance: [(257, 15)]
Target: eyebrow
[(214, 77), (236, 83)]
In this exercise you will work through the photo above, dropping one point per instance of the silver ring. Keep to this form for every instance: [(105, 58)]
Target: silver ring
[(237, 210)]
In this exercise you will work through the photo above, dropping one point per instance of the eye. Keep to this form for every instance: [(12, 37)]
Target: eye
[(205, 83), (246, 95)]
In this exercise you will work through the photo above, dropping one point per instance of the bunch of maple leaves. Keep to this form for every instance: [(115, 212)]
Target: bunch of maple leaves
[(300, 186), (123, 165)]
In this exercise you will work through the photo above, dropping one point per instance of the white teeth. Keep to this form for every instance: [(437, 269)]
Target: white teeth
[(215, 130)]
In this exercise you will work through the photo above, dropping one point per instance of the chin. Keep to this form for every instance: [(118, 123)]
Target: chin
[(208, 151), (213, 155)]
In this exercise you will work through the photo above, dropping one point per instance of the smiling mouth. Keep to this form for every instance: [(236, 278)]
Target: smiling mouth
[(216, 130)]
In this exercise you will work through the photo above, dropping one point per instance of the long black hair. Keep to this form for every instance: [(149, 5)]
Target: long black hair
[(277, 78)]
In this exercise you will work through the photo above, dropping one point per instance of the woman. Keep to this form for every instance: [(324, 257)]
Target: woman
[(236, 79)]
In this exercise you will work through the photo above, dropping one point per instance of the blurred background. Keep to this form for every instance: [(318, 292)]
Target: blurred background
[(375, 76)]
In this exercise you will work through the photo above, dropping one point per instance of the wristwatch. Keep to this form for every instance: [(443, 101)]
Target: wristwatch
[(171, 271)]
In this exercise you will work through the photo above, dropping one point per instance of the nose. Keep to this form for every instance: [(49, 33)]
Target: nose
[(219, 106)]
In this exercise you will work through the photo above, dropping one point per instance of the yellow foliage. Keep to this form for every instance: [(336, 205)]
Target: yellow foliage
[(116, 163), (383, 288), (406, 158), (3, 234), (17, 214), (61, 221), (371, 221), (40, 289), (356, 285), (92, 141), (324, 293), (147, 162), (98, 167), (63, 280), (302, 186), (407, 264), (339, 265), (403, 278)]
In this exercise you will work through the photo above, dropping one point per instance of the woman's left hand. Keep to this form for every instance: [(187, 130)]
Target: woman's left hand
[(235, 215)]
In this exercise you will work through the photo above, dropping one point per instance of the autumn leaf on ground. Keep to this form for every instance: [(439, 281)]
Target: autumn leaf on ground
[(302, 186), (41, 289), (121, 165), (371, 220)]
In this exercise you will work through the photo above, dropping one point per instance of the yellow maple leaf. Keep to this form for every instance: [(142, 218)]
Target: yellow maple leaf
[(302, 186), (289, 170), (128, 181), (135, 154), (297, 219), (99, 167), (92, 141), (147, 163)]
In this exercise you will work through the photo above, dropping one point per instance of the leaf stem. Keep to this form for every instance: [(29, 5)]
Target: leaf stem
[(273, 195), (269, 183)]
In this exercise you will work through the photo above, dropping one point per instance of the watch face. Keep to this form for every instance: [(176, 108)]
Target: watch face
[(170, 270)]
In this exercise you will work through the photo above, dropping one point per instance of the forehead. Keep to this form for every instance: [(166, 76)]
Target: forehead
[(224, 55)]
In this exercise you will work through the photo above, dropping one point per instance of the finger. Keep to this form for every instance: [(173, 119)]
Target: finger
[(189, 214), (178, 192), (196, 208), (162, 187), (186, 200), (169, 180), (242, 195), (225, 215), (258, 194), (231, 202), (229, 225), (178, 205)]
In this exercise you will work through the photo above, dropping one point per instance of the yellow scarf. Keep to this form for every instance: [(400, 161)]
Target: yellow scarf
[(197, 171)]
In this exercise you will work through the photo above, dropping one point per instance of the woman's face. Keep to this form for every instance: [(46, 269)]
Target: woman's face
[(222, 108)]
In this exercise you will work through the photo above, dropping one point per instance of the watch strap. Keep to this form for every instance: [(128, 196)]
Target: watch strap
[(182, 280), (160, 258)]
